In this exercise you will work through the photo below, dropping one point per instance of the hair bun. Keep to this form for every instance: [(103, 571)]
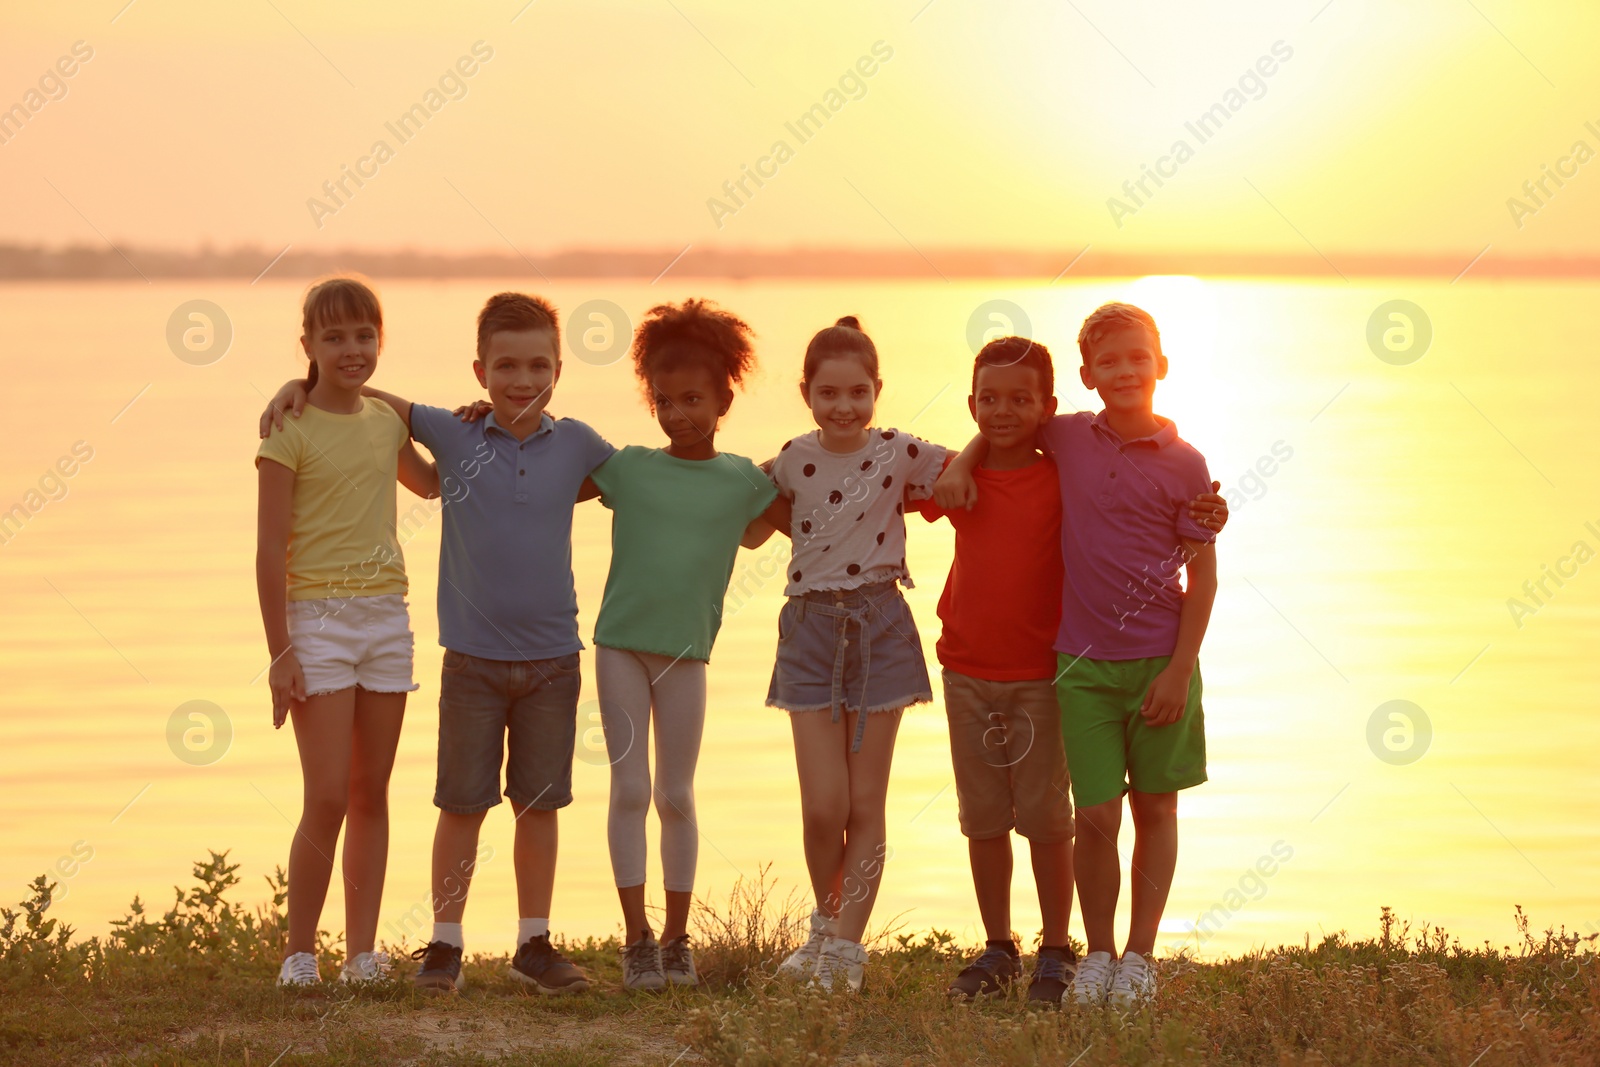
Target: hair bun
[(850, 321)]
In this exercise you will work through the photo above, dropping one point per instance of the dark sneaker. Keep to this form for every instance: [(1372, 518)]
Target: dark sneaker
[(538, 964), (441, 968), (1053, 972), (994, 969)]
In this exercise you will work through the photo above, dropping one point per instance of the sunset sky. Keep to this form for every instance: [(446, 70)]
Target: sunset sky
[(1388, 127)]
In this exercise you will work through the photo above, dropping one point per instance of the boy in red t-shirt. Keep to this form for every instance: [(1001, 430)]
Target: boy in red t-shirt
[(1000, 610)]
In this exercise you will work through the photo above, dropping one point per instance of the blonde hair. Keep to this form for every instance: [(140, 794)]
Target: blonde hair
[(1114, 316)]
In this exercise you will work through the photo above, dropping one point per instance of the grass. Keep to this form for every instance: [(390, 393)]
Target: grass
[(195, 986)]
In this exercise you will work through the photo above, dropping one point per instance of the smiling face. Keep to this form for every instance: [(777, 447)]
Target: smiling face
[(688, 400), (1009, 404), (842, 396), (520, 369), (345, 352), (1123, 366)]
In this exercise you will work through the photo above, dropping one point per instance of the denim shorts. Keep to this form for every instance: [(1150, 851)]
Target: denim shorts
[(849, 650), (522, 711)]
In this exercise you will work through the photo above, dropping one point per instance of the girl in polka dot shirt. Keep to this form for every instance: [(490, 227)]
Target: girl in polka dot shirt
[(849, 657)]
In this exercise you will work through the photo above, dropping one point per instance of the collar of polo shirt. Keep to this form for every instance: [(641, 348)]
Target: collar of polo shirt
[(1167, 434), (546, 425)]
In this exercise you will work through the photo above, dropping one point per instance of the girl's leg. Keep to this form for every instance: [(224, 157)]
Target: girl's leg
[(678, 694), (865, 847), (366, 840), (322, 733), (624, 688), (820, 747)]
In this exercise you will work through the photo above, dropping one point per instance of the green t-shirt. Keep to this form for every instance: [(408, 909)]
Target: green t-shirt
[(675, 531)]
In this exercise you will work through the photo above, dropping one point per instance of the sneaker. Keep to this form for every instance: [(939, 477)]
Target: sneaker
[(299, 969), (1093, 980), (840, 959), (1053, 972), (366, 967), (539, 964), (641, 964), (441, 968), (989, 974), (1134, 984), (803, 959), (677, 962)]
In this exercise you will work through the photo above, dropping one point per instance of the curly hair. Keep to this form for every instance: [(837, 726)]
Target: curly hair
[(694, 333), (1010, 351)]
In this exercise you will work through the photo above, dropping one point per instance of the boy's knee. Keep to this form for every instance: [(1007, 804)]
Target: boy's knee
[(1149, 808), (1103, 819)]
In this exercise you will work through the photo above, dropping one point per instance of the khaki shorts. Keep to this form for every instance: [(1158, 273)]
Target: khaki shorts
[(1011, 771)]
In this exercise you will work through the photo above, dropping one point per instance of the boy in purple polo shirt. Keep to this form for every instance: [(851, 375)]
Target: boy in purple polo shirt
[(508, 621), (1128, 678)]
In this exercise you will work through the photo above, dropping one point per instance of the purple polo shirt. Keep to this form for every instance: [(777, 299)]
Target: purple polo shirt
[(1124, 507)]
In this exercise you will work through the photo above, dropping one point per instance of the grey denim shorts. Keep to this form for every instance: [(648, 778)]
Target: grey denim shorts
[(849, 650), (522, 712)]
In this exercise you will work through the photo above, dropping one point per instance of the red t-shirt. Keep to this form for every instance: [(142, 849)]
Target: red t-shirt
[(1002, 603)]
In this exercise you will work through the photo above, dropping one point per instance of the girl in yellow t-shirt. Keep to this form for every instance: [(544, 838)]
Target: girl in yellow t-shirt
[(332, 587)]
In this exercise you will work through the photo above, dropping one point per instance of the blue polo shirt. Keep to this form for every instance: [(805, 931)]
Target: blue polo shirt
[(505, 562)]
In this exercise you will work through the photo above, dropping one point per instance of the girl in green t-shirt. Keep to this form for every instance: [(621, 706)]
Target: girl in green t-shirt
[(680, 514)]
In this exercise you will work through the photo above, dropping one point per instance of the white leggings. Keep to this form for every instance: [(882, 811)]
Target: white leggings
[(631, 684)]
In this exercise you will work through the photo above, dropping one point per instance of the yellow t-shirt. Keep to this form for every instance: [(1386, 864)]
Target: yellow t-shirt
[(342, 539)]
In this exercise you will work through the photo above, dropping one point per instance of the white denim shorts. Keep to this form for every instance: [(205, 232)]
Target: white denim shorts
[(349, 641)]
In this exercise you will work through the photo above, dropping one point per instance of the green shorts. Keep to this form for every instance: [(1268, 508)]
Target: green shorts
[(1109, 746)]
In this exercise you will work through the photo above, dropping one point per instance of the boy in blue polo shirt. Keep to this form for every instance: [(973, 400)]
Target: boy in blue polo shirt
[(508, 623)]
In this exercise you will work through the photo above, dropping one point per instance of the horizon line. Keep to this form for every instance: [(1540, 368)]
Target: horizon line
[(23, 262)]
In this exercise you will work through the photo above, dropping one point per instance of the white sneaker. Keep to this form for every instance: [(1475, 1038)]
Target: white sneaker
[(804, 959), (366, 967), (1093, 980), (641, 964), (840, 959), (1135, 982), (299, 969)]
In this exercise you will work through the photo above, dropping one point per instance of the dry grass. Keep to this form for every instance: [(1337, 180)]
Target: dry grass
[(195, 986)]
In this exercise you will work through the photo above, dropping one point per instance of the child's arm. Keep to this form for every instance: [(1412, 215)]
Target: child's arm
[(419, 475), (292, 398), (588, 490), (274, 507), (774, 520), (956, 487), (1169, 693)]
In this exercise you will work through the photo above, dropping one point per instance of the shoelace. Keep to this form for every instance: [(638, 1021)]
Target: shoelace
[(302, 968), (1048, 968), (640, 958), (435, 955), (676, 956), (1133, 976), (1094, 971), (373, 965), (990, 962)]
